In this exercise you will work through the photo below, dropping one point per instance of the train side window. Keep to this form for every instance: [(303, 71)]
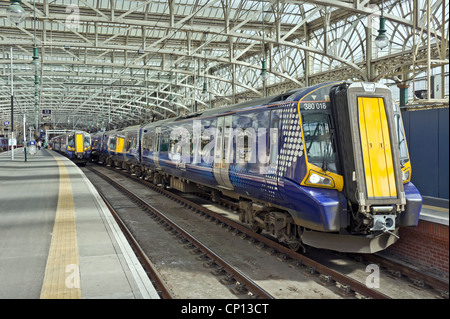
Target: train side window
[(174, 147), (112, 143), (71, 141), (156, 141), (263, 137), (208, 133), (87, 141), (275, 123), (403, 151), (164, 141), (149, 141), (273, 140), (245, 127)]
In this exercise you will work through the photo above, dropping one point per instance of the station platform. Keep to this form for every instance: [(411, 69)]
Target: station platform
[(58, 239)]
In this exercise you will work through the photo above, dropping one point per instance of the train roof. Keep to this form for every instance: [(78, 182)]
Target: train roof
[(291, 95), (240, 106)]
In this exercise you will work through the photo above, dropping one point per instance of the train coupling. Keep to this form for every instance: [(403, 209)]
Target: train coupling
[(383, 219)]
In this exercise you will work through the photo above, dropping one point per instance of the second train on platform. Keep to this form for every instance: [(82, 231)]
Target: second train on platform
[(76, 145)]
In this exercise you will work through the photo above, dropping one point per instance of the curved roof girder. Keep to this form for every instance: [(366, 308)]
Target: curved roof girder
[(123, 20)]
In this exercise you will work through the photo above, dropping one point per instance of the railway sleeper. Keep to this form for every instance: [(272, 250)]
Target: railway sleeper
[(345, 291), (239, 289), (326, 280), (228, 280), (203, 257)]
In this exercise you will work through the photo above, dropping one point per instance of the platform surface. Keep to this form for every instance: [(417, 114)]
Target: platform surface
[(434, 214), (58, 240)]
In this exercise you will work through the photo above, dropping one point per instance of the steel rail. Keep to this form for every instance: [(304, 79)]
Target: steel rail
[(419, 278), (348, 283), (150, 268), (241, 278), (345, 281)]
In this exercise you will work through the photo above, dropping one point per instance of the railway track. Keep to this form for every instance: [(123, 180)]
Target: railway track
[(149, 267), (347, 286), (241, 284)]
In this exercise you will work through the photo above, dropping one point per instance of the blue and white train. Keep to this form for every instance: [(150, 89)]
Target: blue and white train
[(76, 145), (325, 166)]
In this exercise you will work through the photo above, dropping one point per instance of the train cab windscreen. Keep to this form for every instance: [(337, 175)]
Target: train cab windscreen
[(320, 150)]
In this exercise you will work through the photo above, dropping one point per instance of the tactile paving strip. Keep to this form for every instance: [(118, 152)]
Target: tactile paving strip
[(62, 276)]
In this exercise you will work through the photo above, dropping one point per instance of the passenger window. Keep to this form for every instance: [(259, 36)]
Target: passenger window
[(151, 141), (71, 141), (164, 142), (274, 140), (112, 143), (156, 141), (245, 128), (208, 133), (403, 151), (87, 141)]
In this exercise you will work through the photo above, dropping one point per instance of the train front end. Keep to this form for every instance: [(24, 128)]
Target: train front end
[(354, 143), (79, 147)]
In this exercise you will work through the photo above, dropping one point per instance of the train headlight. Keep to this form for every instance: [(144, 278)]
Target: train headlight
[(406, 175), (319, 180)]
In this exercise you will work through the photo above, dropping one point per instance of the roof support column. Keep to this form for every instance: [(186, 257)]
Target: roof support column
[(369, 67), (171, 10)]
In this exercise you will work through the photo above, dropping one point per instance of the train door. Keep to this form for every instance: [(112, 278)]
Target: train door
[(273, 139), (364, 115), (120, 144), (156, 146), (376, 148), (79, 141), (223, 149)]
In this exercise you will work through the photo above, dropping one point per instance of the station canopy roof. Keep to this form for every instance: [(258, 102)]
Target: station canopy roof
[(115, 63)]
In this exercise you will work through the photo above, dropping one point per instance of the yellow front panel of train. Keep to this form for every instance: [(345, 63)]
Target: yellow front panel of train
[(376, 148), (79, 143), (119, 145)]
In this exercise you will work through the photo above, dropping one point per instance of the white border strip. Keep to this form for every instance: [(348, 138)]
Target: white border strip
[(140, 276), (144, 284)]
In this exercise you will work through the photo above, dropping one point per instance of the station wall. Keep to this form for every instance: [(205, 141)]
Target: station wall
[(427, 134)]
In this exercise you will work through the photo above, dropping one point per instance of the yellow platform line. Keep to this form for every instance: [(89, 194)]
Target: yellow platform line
[(62, 276), (436, 208)]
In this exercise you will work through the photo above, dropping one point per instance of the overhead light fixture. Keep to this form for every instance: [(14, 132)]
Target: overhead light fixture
[(264, 74), (36, 64), (15, 13), (382, 40), (205, 89)]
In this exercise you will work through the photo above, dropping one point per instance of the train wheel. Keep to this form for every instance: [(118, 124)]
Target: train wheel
[(295, 246), (254, 226)]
